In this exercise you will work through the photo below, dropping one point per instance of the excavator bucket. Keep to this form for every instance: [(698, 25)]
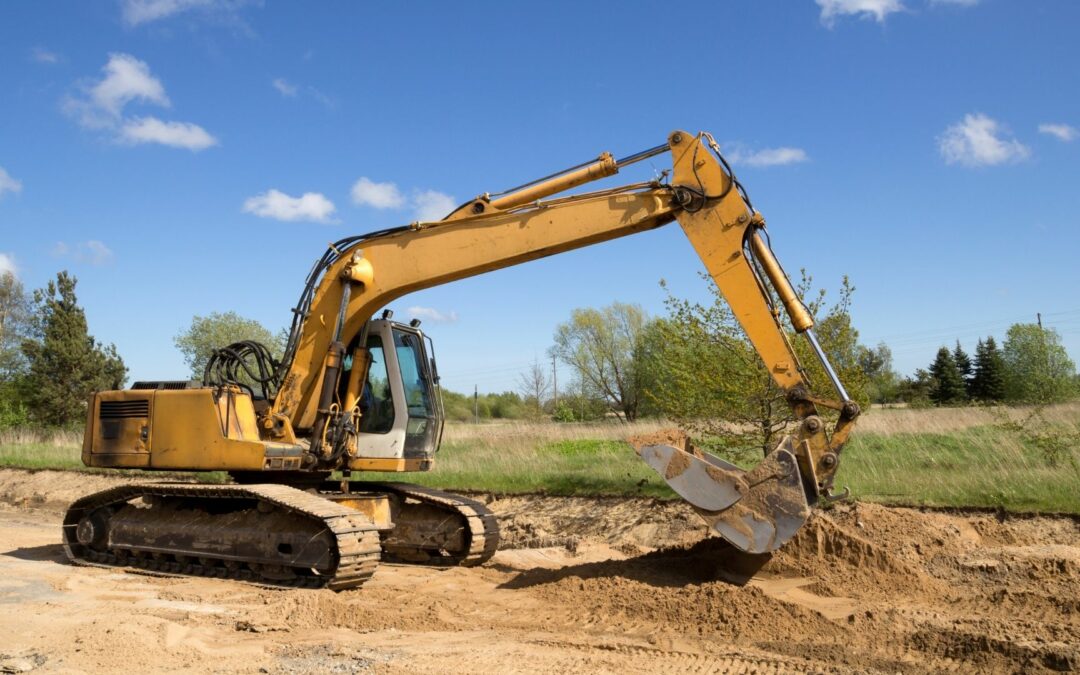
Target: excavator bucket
[(757, 511)]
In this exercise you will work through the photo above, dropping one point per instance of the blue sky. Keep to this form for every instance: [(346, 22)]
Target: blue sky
[(188, 156)]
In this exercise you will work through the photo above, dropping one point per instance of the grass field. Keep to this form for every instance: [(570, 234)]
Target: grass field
[(959, 457)]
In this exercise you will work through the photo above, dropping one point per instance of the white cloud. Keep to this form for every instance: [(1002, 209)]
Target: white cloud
[(366, 192), (432, 315), (311, 206), (865, 9), (285, 87), (42, 55), (980, 141), (322, 98), (431, 205), (96, 252), (8, 183), (427, 205), (127, 79), (173, 134), (7, 265), (92, 251), (768, 156), (1062, 132), (137, 12)]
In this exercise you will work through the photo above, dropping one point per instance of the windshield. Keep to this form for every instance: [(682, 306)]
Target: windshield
[(414, 378)]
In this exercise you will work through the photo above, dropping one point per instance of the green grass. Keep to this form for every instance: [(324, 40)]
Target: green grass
[(944, 458), (40, 456), (584, 467), (983, 466)]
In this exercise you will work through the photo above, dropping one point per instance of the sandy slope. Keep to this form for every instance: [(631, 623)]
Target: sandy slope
[(584, 588)]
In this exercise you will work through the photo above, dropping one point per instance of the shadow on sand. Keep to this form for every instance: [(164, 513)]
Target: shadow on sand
[(45, 553), (709, 560)]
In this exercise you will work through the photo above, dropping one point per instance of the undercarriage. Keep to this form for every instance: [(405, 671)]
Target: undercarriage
[(320, 537)]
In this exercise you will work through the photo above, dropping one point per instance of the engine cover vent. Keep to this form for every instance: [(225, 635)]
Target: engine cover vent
[(111, 410), (167, 384)]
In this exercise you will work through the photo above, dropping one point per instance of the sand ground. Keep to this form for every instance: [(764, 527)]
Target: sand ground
[(581, 585)]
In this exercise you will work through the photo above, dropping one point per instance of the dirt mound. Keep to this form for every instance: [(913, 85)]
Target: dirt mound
[(687, 590)]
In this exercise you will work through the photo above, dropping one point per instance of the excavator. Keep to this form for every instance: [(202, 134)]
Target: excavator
[(356, 391)]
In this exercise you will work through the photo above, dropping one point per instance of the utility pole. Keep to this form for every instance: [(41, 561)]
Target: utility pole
[(555, 381), (1038, 316), (476, 404)]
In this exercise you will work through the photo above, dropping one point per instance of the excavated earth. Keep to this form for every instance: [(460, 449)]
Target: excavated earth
[(581, 585)]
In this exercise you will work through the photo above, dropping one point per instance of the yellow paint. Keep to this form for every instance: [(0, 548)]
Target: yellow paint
[(390, 464), (374, 506)]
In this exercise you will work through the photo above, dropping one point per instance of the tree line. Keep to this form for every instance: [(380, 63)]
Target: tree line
[(1031, 367), (696, 367), (49, 362)]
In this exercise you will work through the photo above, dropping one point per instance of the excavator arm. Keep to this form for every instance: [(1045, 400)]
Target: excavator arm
[(757, 510)]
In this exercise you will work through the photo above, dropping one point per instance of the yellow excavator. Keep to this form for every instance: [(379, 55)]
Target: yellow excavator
[(354, 392)]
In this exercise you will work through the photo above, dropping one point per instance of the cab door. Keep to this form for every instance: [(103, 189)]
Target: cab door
[(401, 414)]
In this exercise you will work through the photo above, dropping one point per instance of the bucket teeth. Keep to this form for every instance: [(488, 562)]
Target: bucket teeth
[(757, 511)]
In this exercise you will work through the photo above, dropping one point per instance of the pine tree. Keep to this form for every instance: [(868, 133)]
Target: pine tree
[(976, 391), (66, 364), (993, 373), (948, 386), (963, 367)]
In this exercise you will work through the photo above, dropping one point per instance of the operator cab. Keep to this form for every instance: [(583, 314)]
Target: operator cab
[(400, 402)]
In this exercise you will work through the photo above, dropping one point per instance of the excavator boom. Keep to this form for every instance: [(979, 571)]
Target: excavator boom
[(530, 222)]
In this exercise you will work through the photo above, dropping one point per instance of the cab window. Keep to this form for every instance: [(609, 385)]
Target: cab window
[(377, 401)]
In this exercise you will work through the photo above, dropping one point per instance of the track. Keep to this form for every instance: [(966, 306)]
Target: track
[(481, 529), (351, 541), (152, 524)]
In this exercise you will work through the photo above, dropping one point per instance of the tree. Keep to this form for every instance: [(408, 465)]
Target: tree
[(459, 407), (603, 346), (534, 387), (1037, 367), (963, 366), (915, 391), (704, 374), (578, 403), (948, 387), (883, 384), (216, 330), (65, 364), (14, 327), (988, 381)]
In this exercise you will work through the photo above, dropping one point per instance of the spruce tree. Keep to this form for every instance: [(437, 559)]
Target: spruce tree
[(66, 364), (948, 387), (992, 369), (976, 391), (963, 367)]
